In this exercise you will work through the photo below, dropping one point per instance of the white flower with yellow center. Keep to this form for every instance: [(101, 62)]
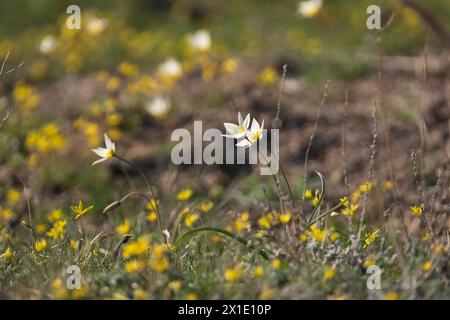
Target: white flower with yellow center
[(171, 68), (237, 131), (254, 135), (309, 8), (47, 44), (158, 107), (200, 40), (105, 153), (95, 25)]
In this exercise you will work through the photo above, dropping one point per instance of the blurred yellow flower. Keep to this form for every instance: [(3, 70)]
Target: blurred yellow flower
[(229, 65), (391, 295), (349, 211), (258, 271), (426, 266), (128, 69), (233, 274), (191, 296), (54, 215), (205, 206), (318, 234), (152, 217), (309, 8), (370, 238), (12, 196), (185, 194), (40, 245), (7, 255), (285, 218), (74, 244), (417, 210), (136, 248), (26, 97), (123, 228), (190, 219), (268, 76), (134, 266), (58, 230), (276, 264), (308, 194), (329, 273)]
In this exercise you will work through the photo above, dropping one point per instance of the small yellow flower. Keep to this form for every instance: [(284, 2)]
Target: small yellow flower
[(7, 255), (303, 237), (74, 245), (438, 248), (185, 194), (80, 210), (329, 273), (191, 296), (334, 236), (40, 245), (417, 210), (233, 274), (241, 222), (260, 234), (285, 218), (136, 248), (55, 215), (308, 194), (12, 196), (229, 66), (366, 187), (159, 264), (205, 206), (426, 266), (152, 205), (276, 264), (391, 295), (175, 285), (58, 290), (258, 271), (315, 202), (268, 76), (123, 228), (318, 234), (349, 211), (370, 238), (140, 294), (368, 262), (344, 201), (268, 294), (58, 230), (127, 69), (134, 266), (388, 185), (191, 219), (152, 216), (41, 228)]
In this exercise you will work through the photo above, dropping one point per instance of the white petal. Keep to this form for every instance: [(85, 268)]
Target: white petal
[(255, 126), (246, 121), (231, 127), (108, 142), (244, 143), (101, 152), (99, 161), (240, 119), (239, 134), (262, 125)]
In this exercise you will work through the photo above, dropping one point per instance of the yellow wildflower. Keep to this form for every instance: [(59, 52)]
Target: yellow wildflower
[(233, 274), (152, 216), (258, 271), (285, 218), (152, 205), (276, 264), (349, 211), (205, 206), (308, 194), (74, 245), (134, 266), (136, 248), (368, 262), (318, 234), (41, 228), (175, 285), (426, 266), (127, 69), (370, 238), (191, 296), (388, 185), (391, 295), (58, 230), (268, 294), (7, 255), (191, 219), (80, 210), (185, 194), (417, 210), (123, 228), (40, 245), (329, 273), (268, 76), (12, 196), (55, 215)]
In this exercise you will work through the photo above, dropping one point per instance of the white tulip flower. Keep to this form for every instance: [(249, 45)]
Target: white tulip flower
[(47, 44), (237, 131), (200, 40), (254, 135), (309, 8), (171, 68), (158, 107), (105, 153)]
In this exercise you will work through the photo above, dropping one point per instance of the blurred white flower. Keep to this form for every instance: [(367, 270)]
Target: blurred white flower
[(158, 107), (96, 26), (171, 68), (237, 131), (47, 45), (254, 135), (105, 153), (200, 40), (309, 8)]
